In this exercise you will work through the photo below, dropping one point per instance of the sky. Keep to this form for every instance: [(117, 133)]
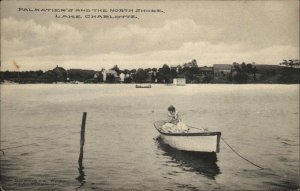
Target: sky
[(212, 32)]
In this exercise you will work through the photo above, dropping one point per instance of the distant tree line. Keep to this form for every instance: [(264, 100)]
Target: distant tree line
[(285, 72), (243, 72), (290, 63)]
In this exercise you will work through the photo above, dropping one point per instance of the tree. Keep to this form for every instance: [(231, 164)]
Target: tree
[(194, 70), (290, 73), (188, 76), (173, 73), (165, 69), (127, 79), (133, 71), (254, 71), (192, 64), (179, 69), (99, 78), (249, 68), (291, 63), (207, 79), (110, 78), (140, 76), (243, 67), (116, 68), (39, 73), (148, 70), (126, 71), (240, 73), (164, 74), (241, 77)]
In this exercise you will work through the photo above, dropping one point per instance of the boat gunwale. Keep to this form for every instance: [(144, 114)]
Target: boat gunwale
[(157, 123)]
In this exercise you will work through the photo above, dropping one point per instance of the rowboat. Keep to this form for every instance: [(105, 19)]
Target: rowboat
[(196, 140), (204, 163), (143, 86)]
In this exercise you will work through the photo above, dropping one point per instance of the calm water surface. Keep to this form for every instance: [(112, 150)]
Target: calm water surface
[(122, 151)]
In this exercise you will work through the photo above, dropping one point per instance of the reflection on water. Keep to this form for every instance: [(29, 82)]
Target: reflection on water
[(203, 163), (260, 121), (81, 177)]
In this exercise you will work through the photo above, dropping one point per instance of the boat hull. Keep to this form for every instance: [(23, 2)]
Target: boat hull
[(193, 143), (196, 142)]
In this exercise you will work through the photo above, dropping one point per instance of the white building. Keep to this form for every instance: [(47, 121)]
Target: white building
[(109, 72), (122, 77), (179, 81)]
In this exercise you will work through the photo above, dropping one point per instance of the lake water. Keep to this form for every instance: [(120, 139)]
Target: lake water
[(121, 150)]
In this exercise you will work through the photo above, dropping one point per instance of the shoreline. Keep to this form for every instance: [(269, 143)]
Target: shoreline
[(103, 83)]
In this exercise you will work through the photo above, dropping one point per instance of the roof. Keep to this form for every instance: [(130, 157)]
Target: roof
[(223, 66), (59, 68), (110, 71), (205, 68)]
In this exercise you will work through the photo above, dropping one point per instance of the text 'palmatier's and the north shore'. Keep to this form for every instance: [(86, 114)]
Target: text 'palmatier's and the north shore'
[(94, 13)]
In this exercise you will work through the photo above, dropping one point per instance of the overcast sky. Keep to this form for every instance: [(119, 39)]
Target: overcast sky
[(218, 32)]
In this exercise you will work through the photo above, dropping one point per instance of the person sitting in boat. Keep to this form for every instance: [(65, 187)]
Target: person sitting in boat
[(174, 123), (173, 116)]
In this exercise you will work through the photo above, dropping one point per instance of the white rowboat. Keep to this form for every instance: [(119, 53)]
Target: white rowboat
[(204, 141)]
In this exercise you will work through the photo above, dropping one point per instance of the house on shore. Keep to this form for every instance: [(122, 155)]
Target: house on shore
[(222, 72), (206, 74), (150, 76), (81, 75), (179, 81), (175, 68), (220, 69), (122, 77), (206, 71), (57, 74), (110, 76), (60, 73)]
